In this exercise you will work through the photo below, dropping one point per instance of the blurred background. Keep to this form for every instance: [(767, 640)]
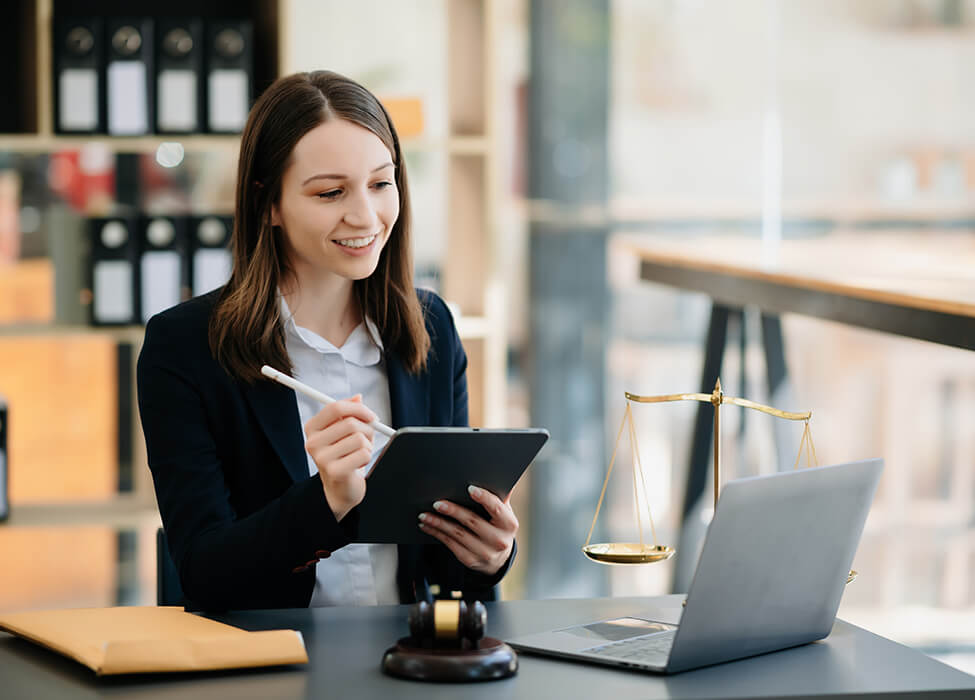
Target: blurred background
[(544, 140)]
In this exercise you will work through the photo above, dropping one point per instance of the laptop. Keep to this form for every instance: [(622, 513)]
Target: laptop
[(770, 576)]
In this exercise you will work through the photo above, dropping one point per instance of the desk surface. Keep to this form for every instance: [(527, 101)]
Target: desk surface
[(345, 646), (915, 284)]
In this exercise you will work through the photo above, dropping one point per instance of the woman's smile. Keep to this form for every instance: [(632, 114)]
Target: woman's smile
[(357, 246), (339, 202)]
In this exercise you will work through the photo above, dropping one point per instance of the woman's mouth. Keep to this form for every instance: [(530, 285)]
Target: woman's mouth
[(358, 242), (358, 246)]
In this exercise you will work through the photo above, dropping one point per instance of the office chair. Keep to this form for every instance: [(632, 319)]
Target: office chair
[(168, 589)]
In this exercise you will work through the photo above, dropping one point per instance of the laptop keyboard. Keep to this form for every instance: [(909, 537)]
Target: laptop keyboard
[(652, 648)]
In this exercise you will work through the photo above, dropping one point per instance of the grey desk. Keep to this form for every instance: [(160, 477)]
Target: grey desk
[(345, 646)]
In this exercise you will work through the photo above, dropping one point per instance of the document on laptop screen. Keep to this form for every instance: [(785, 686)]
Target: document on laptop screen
[(618, 629)]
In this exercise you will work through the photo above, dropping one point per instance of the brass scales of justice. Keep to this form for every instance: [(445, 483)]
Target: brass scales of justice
[(641, 552)]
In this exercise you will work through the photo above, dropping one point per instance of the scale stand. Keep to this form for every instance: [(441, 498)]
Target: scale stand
[(641, 552)]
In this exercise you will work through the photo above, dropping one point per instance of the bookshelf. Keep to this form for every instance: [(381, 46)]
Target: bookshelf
[(470, 278)]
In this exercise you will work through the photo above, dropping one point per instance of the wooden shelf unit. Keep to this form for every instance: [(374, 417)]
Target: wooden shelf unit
[(471, 276)]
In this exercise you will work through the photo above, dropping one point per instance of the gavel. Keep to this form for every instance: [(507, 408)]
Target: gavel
[(447, 624), (447, 644)]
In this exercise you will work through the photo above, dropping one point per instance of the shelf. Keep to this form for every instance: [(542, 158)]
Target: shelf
[(130, 334), (867, 207), (122, 512), (456, 145), (467, 145), (202, 143), (192, 143), (468, 327), (651, 214)]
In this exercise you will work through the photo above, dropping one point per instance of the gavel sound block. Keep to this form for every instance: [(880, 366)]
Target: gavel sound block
[(447, 644)]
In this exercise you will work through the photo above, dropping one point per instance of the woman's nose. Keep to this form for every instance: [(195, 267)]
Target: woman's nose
[(360, 212)]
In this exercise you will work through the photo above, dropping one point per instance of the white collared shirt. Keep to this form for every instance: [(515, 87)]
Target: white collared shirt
[(357, 574)]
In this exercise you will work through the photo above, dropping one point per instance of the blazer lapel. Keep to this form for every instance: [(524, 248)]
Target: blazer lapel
[(409, 400), (409, 403), (277, 413)]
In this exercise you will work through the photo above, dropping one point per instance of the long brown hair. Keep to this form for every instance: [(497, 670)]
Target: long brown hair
[(246, 329)]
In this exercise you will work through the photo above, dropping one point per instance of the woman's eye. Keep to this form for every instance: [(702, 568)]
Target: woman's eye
[(331, 194), (383, 185)]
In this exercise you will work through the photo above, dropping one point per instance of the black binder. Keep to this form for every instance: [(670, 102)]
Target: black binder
[(230, 74), (163, 264), (4, 466), (179, 75), (113, 271), (209, 245), (128, 76), (78, 59)]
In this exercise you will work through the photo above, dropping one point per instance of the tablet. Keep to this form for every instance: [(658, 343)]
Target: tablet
[(421, 465)]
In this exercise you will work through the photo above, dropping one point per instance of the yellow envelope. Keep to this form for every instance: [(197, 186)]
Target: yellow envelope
[(152, 640)]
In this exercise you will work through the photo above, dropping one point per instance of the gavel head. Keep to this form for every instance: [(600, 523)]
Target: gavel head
[(447, 622)]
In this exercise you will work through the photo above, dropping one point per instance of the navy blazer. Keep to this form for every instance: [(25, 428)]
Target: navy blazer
[(241, 514)]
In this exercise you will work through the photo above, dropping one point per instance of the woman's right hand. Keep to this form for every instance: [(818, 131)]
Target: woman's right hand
[(339, 440)]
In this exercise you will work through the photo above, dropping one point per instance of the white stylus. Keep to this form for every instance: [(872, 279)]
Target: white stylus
[(288, 381)]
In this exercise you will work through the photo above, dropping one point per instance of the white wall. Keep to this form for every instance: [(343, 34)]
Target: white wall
[(691, 83)]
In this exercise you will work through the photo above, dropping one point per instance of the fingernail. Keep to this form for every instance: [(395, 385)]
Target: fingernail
[(474, 491), (440, 505), (422, 516)]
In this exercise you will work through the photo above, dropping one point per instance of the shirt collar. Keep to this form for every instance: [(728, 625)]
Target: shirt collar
[(363, 347)]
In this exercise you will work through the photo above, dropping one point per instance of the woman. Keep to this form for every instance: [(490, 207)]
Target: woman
[(256, 486)]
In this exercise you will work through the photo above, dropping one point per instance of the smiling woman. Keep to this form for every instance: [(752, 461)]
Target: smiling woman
[(305, 177), (257, 486), (335, 224)]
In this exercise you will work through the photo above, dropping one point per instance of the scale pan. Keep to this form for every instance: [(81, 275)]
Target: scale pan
[(627, 553)]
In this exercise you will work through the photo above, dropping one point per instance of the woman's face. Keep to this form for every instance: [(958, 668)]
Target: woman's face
[(338, 202)]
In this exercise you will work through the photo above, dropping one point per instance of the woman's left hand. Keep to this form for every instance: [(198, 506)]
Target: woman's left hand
[(480, 545)]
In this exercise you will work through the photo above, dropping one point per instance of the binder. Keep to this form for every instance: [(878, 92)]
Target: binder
[(113, 270), (128, 75), (163, 264), (4, 464), (179, 75), (78, 58), (230, 71), (68, 248), (211, 261)]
